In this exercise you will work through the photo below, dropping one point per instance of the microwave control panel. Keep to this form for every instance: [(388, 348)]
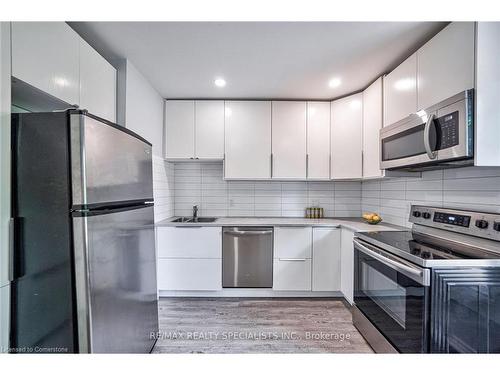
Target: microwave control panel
[(448, 130)]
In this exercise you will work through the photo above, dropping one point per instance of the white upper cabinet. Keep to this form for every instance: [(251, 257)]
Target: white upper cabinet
[(400, 91), (97, 83), (289, 140), (446, 64), (318, 140), (372, 123), (209, 129), (346, 137), (179, 129), (46, 56), (248, 140)]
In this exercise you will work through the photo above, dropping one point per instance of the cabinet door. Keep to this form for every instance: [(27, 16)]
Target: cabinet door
[(209, 129), (289, 139), (97, 83), (446, 64), (292, 242), (292, 274), (347, 140), (189, 242), (347, 265), (400, 91), (179, 129), (318, 140), (46, 55), (372, 123), (247, 140), (326, 259), (189, 274)]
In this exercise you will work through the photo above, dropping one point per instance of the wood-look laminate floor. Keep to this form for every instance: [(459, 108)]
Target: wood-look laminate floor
[(257, 325)]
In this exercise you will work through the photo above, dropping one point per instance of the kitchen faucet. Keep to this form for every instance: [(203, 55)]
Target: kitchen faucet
[(195, 212)]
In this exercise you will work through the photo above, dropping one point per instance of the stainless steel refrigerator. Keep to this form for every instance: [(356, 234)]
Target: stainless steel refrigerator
[(84, 260)]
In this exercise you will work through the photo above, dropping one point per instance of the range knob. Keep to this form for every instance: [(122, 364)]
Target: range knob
[(496, 226), (416, 213), (481, 224), (426, 215)]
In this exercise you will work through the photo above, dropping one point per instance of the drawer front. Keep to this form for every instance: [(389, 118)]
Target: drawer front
[(190, 242), (292, 242), (189, 274), (292, 274)]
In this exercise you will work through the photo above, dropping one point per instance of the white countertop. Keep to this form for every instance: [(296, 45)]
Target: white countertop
[(355, 224)]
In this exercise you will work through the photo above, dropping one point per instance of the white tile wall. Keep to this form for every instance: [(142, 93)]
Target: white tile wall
[(473, 188), (203, 184), (163, 188)]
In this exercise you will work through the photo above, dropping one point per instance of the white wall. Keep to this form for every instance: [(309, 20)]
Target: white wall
[(5, 72), (473, 188), (201, 183), (140, 107)]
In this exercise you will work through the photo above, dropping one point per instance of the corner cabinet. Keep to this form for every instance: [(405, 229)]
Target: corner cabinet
[(347, 265), (372, 123), (400, 91), (446, 64), (97, 83), (347, 137), (318, 140), (247, 140), (289, 140), (326, 259), (46, 56)]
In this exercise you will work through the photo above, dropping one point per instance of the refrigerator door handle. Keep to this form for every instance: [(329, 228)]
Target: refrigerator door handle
[(16, 248)]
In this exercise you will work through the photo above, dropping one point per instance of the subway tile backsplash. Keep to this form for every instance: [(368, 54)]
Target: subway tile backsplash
[(472, 188), (202, 183), (163, 189)]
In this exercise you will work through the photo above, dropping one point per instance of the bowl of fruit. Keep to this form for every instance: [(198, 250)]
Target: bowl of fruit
[(372, 218)]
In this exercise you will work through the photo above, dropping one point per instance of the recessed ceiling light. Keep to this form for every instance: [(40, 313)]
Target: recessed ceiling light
[(334, 82), (220, 82)]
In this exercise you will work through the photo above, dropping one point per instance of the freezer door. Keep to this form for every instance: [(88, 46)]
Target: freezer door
[(115, 272), (109, 163)]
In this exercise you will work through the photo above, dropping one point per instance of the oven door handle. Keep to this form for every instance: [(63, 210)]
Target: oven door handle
[(420, 275), (427, 141)]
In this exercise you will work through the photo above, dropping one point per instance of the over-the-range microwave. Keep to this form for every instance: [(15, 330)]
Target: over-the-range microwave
[(441, 136)]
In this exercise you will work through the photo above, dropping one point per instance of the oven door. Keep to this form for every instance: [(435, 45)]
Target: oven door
[(393, 295)]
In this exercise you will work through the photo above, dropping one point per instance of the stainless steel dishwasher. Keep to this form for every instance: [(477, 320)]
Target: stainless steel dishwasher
[(247, 257)]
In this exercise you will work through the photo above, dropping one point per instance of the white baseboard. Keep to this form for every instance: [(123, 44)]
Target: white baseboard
[(246, 292)]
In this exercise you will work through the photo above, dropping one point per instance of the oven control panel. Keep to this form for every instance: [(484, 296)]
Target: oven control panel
[(452, 219), (479, 224)]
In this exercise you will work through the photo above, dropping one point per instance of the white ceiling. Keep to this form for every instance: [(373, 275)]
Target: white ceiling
[(258, 59)]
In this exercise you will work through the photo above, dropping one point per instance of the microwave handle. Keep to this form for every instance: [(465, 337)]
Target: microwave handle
[(427, 142), (418, 274)]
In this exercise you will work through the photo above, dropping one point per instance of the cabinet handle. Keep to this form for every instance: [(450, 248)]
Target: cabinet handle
[(293, 259), (307, 165), (272, 162)]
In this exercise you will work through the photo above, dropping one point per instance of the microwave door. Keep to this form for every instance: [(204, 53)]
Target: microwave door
[(410, 142)]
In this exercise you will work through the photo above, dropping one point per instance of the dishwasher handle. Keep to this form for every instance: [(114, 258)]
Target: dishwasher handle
[(248, 232)]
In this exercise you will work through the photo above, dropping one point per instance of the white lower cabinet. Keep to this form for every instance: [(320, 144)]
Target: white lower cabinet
[(189, 274), (292, 242), (292, 274), (326, 259), (189, 258), (347, 265)]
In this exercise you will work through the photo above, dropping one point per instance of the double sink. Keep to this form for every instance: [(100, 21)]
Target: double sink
[(190, 219)]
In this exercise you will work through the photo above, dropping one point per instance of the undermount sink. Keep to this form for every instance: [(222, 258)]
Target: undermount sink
[(190, 219)]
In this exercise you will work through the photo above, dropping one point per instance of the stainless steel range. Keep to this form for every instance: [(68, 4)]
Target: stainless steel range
[(432, 289)]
